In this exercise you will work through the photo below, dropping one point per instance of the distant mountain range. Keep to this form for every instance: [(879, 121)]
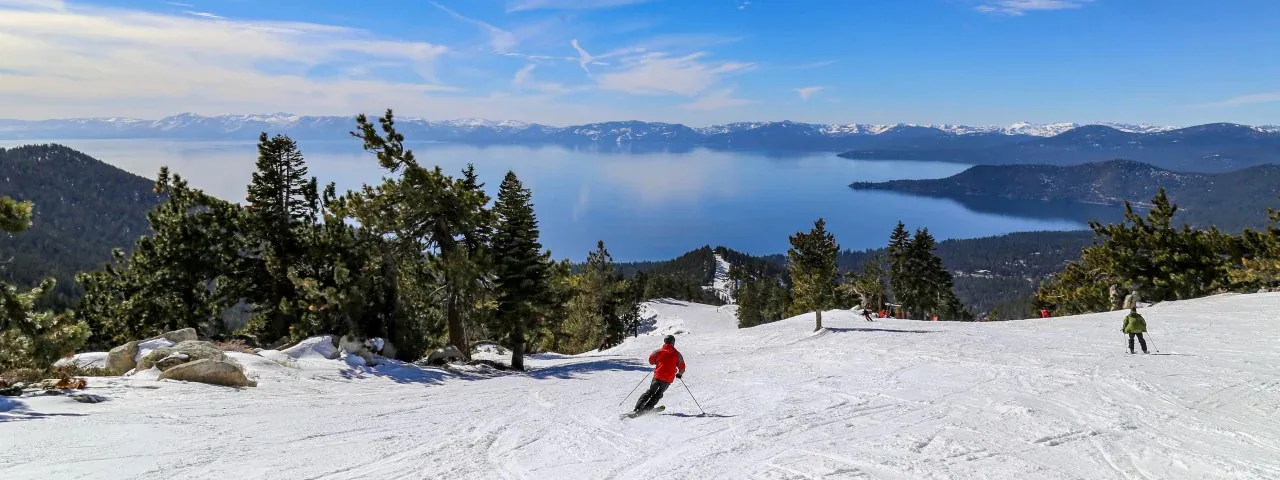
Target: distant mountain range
[(1210, 148), (1231, 201), (193, 126), (1017, 143)]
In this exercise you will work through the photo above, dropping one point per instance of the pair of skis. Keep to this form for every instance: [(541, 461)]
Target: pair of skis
[(656, 409)]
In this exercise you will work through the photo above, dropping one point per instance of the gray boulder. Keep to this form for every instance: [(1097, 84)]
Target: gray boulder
[(227, 373), (194, 350), (122, 358), (179, 336), (88, 398), (172, 361)]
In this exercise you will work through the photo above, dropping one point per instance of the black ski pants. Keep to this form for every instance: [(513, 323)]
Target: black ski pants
[(650, 398), (1141, 341)]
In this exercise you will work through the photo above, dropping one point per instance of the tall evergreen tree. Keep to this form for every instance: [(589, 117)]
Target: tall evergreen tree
[(281, 213), (899, 240), (812, 263), (522, 270)]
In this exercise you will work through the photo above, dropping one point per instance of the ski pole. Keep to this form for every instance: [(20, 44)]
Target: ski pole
[(1152, 342), (646, 377), (695, 400)]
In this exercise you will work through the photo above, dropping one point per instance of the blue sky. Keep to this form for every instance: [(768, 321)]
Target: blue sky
[(690, 61)]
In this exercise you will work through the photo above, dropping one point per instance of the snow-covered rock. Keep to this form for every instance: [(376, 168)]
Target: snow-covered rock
[(145, 348), (86, 360), (321, 347)]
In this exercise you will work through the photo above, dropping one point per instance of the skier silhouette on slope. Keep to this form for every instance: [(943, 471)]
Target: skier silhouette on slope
[(669, 366)]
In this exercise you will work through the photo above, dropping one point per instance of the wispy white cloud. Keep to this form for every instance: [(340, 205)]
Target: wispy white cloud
[(585, 59), (524, 5), (1242, 100), (811, 65), (91, 61), (177, 4), (524, 80), (807, 92), (743, 4), (1021, 7), (716, 100), (58, 5), (661, 73), (203, 14), (500, 40)]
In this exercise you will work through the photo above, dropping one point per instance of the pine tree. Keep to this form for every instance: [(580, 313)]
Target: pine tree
[(433, 219), (927, 279), (281, 213), (1147, 253), (175, 278), (30, 338), (899, 241), (521, 270), (812, 263)]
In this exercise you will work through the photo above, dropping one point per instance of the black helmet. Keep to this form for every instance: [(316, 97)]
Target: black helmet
[(669, 340)]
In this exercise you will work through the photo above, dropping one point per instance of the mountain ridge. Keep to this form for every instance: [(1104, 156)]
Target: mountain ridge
[(197, 125)]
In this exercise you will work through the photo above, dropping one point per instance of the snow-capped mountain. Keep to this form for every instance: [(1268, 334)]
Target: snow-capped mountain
[(913, 139), (194, 126)]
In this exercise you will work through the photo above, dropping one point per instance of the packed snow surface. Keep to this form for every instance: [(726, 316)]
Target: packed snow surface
[(1057, 399), (721, 285)]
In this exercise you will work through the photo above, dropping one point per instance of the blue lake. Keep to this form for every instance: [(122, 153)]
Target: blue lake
[(645, 206)]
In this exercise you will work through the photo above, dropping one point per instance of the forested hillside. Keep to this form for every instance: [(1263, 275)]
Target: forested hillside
[(83, 209), (1230, 201)]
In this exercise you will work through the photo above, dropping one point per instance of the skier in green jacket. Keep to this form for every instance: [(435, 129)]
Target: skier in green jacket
[(1135, 326)]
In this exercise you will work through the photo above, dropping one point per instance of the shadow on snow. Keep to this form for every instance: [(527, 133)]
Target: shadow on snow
[(15, 410), (571, 370), (888, 330)]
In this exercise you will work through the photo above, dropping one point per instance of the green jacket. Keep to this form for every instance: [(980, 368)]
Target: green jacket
[(1134, 323)]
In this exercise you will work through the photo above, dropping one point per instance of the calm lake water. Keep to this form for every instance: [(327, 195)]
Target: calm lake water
[(646, 206)]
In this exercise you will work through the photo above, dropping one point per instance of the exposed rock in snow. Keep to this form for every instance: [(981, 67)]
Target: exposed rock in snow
[(215, 372), (443, 355), (178, 336), (172, 355), (123, 358)]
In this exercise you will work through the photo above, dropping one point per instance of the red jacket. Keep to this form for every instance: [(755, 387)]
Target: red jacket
[(668, 360)]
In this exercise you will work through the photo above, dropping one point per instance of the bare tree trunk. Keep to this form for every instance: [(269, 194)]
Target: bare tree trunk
[(517, 346), (819, 315), (457, 334)]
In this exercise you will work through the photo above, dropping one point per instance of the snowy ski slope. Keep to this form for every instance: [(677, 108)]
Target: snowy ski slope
[(1055, 399)]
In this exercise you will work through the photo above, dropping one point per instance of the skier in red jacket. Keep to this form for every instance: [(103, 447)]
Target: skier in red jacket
[(670, 366)]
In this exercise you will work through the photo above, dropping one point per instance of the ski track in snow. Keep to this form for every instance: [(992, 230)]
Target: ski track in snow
[(721, 285), (1053, 399)]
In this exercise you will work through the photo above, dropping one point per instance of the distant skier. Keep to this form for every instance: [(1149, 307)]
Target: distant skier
[(1135, 326), (669, 366), (867, 315), (1044, 313)]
